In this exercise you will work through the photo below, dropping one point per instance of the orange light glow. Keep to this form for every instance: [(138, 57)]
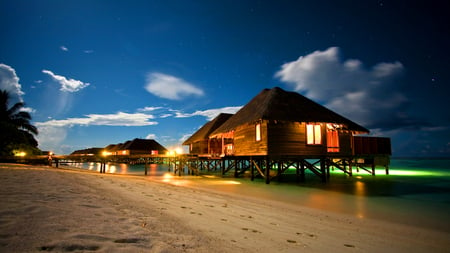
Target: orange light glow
[(106, 153)]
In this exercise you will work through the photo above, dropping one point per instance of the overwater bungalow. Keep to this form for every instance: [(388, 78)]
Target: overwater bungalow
[(136, 147), (200, 144), (277, 125)]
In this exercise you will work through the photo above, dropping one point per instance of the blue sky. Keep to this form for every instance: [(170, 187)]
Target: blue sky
[(99, 72)]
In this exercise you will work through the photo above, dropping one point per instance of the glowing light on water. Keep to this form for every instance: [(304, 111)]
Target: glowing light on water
[(167, 177), (413, 172), (111, 168)]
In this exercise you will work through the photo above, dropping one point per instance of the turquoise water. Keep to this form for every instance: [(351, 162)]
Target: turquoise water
[(416, 191)]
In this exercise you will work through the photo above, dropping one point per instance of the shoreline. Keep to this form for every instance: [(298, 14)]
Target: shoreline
[(82, 210)]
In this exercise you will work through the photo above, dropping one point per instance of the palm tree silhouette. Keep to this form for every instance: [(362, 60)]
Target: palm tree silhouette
[(16, 131)]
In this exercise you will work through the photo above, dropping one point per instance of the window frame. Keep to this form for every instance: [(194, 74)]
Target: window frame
[(314, 134), (258, 135)]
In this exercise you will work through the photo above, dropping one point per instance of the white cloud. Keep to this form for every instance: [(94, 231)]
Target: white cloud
[(150, 108), (28, 109), (9, 81), (150, 137), (70, 85), (170, 87), (89, 51), (370, 97), (51, 137), (117, 119), (210, 113), (63, 48)]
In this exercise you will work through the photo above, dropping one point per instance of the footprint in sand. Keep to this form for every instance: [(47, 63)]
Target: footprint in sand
[(310, 235), (127, 240)]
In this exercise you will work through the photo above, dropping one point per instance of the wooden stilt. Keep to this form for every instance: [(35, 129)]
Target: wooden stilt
[(267, 171), (252, 169), (236, 172), (302, 171), (279, 169), (323, 170)]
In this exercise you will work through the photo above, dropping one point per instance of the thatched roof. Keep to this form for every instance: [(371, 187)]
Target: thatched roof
[(88, 151), (204, 132), (281, 105), (143, 144), (136, 144)]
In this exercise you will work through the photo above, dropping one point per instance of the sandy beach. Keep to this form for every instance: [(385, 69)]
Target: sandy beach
[(62, 210)]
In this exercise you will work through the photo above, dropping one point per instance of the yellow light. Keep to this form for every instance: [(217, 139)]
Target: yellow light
[(20, 154), (167, 177), (106, 153)]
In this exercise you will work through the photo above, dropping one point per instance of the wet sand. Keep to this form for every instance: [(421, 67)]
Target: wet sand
[(60, 210)]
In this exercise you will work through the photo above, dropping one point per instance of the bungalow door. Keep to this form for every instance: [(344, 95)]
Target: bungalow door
[(332, 141)]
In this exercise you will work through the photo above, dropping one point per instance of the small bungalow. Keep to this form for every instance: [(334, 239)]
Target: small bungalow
[(136, 147), (87, 152), (200, 144)]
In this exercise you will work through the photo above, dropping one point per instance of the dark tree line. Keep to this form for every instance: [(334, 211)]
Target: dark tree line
[(16, 131)]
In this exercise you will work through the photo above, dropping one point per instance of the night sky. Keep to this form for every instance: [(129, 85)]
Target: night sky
[(98, 72)]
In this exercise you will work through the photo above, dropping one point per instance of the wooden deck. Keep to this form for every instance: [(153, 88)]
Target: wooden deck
[(370, 152)]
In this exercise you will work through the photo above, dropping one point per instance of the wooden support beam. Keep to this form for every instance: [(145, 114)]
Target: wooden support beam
[(323, 170), (252, 169), (267, 171), (259, 169)]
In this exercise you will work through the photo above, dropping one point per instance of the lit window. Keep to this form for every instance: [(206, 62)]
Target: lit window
[(313, 134), (258, 132)]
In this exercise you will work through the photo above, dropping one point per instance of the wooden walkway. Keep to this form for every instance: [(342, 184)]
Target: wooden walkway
[(269, 168)]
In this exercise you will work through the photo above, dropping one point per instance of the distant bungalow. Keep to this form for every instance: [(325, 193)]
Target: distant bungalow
[(136, 147), (131, 147), (278, 124)]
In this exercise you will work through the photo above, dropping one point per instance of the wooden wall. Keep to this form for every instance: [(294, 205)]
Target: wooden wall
[(289, 138), (200, 147), (285, 139), (245, 140)]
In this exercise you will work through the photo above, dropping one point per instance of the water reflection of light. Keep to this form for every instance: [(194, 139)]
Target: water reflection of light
[(412, 173), (153, 169), (167, 177), (111, 168), (360, 192), (224, 182), (123, 168)]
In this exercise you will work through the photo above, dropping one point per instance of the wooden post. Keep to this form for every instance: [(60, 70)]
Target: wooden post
[(323, 170), (350, 168), (222, 166), (302, 170), (387, 169), (146, 167), (280, 167), (327, 165), (252, 169), (267, 171)]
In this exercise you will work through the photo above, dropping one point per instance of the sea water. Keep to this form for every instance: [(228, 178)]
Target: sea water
[(416, 191)]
